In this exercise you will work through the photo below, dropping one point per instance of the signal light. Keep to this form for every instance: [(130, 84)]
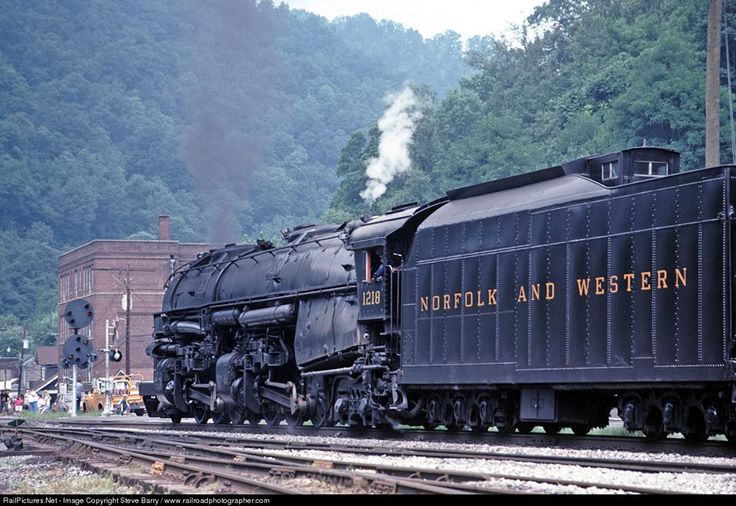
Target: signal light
[(115, 355)]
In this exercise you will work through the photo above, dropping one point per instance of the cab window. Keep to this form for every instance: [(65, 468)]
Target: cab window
[(609, 171), (645, 168), (373, 264)]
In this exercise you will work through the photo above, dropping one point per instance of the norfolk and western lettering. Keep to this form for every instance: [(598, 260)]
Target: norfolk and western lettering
[(661, 279)]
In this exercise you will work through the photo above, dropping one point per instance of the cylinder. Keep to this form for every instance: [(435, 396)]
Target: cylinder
[(268, 316), (225, 317), (185, 327)]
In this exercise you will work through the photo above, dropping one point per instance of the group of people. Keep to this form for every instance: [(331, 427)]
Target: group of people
[(31, 401)]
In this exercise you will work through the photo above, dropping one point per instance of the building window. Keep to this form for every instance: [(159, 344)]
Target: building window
[(609, 171), (651, 168)]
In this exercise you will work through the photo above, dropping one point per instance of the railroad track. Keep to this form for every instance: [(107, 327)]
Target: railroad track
[(200, 465), (713, 448), (257, 455)]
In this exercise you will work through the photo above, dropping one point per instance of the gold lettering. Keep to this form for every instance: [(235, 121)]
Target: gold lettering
[(480, 301), (492, 297), (457, 297), (469, 304), (583, 285), (522, 295), (629, 277), (423, 304), (680, 277), (599, 285), (535, 291), (446, 301), (435, 302), (661, 279), (549, 288), (613, 283), (645, 285)]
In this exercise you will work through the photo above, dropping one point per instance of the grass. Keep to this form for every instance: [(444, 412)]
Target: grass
[(52, 415)]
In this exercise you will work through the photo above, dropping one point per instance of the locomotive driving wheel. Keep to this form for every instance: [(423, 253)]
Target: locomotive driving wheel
[(222, 418), (200, 413), (238, 415), (321, 416), (254, 418), (293, 420), (272, 414)]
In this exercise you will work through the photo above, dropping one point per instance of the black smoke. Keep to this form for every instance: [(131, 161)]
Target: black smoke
[(226, 134)]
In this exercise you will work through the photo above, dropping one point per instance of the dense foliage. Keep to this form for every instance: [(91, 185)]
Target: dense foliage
[(586, 78), (228, 116)]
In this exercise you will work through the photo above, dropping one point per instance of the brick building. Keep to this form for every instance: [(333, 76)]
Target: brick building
[(102, 272)]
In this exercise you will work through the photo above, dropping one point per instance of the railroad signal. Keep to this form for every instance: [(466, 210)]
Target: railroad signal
[(79, 313), (78, 351), (115, 355)]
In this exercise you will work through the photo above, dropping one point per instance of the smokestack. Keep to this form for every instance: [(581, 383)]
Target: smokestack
[(163, 227)]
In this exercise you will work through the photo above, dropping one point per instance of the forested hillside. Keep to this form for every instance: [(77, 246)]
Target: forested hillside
[(239, 119), (229, 116), (588, 78)]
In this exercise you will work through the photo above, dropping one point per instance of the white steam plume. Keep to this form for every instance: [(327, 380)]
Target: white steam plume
[(397, 128)]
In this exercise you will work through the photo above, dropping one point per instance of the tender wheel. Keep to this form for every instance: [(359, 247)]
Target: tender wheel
[(552, 428), (654, 430), (524, 428), (506, 428), (200, 413), (731, 436), (175, 418), (478, 428), (695, 427), (580, 429)]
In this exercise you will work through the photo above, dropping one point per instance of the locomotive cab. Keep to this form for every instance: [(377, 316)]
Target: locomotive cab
[(378, 262), (372, 282), (631, 165)]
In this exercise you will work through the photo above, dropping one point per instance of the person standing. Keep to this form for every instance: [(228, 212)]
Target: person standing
[(79, 390), (45, 403), (4, 402), (18, 404), (32, 401), (124, 405)]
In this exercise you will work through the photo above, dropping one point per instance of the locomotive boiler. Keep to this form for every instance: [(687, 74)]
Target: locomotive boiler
[(544, 299)]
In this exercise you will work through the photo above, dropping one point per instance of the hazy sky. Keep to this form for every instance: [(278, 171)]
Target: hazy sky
[(429, 17)]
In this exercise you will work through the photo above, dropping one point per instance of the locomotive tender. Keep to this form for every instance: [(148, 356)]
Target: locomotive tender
[(544, 299)]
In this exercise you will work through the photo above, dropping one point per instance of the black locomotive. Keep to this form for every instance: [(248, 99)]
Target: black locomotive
[(547, 299)]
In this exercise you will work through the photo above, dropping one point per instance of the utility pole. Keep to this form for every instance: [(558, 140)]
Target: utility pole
[(23, 348), (127, 320), (712, 86), (107, 368)]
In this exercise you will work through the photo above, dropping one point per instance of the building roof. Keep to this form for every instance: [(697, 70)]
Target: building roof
[(47, 355), (8, 362)]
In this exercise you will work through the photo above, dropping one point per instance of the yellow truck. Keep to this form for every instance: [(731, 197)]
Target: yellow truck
[(119, 385)]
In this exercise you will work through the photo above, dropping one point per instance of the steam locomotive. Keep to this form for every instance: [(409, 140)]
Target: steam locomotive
[(544, 299)]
